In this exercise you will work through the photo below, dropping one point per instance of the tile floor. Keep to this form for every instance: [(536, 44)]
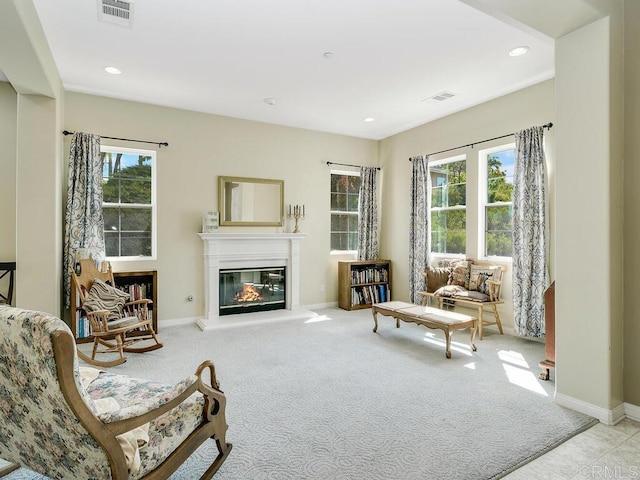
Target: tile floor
[(601, 452)]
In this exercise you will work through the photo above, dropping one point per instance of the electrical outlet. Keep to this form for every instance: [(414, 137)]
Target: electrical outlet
[(322, 287)]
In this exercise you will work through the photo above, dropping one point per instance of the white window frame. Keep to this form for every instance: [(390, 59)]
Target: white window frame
[(435, 163), (154, 222), (353, 174), (483, 203)]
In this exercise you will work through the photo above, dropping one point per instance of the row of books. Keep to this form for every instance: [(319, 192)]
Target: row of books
[(83, 327), (369, 275), (370, 294), (137, 291)]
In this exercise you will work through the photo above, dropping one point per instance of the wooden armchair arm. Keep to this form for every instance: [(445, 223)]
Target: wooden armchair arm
[(99, 320), (213, 382), (214, 399), (494, 287), (142, 301), (133, 416), (427, 297), (137, 308)]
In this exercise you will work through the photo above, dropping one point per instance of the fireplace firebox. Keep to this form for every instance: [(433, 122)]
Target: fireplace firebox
[(244, 290)]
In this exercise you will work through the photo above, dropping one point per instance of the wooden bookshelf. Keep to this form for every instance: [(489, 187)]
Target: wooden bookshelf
[(362, 283), (142, 284)]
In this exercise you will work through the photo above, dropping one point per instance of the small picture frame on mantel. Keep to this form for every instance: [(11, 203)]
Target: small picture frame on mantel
[(210, 222)]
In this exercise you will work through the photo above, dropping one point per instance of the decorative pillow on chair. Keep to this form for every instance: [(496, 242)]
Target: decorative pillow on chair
[(436, 277), (479, 276), (473, 296), (460, 273), (450, 291), (103, 296)]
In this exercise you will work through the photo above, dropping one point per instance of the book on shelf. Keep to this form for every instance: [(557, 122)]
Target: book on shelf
[(137, 291), (83, 327), (369, 294), (379, 274)]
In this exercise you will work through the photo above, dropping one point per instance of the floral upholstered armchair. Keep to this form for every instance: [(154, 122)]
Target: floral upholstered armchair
[(69, 422)]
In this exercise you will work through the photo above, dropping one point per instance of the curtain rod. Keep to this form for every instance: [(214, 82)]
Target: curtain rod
[(160, 144), (347, 165), (547, 126)]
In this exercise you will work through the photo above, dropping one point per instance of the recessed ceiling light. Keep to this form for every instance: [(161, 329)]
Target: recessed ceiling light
[(270, 101), (516, 52), (327, 55), (369, 119), (113, 70)]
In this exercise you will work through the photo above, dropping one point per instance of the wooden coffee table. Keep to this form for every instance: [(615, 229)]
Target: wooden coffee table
[(429, 317)]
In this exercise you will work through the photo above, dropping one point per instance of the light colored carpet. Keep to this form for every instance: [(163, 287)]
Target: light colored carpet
[(330, 399)]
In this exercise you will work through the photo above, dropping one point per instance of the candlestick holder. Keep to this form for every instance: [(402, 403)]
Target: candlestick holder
[(296, 212)]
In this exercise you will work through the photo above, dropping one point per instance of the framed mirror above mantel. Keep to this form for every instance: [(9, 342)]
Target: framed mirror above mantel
[(255, 202)]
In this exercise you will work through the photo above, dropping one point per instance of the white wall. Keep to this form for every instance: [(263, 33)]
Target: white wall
[(589, 232), (8, 111), (26, 61), (39, 204), (202, 147), (632, 203), (522, 109)]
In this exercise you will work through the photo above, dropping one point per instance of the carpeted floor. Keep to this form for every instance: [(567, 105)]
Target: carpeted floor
[(328, 399)]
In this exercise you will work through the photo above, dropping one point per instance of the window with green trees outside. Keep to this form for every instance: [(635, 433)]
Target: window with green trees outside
[(128, 201), (449, 205), (498, 202), (345, 191)]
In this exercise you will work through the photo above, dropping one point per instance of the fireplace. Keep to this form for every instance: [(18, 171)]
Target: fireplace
[(251, 251), (246, 290)]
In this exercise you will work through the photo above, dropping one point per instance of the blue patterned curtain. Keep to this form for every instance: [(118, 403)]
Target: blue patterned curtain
[(529, 233), (368, 214), (419, 231), (84, 223)]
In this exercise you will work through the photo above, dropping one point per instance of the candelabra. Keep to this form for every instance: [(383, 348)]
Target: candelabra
[(296, 212)]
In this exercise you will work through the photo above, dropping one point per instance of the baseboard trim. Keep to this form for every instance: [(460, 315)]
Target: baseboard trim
[(604, 415), (316, 306), (175, 322), (632, 411)]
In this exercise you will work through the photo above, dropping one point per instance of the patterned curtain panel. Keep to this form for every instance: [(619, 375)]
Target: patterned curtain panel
[(529, 233), (419, 231), (368, 214), (84, 224)]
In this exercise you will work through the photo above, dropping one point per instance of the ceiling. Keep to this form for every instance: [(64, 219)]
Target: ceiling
[(227, 56)]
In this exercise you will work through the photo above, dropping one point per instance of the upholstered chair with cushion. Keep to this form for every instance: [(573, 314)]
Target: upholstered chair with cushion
[(69, 422), (468, 284)]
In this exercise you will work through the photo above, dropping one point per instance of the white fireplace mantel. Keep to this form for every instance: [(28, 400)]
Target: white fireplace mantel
[(248, 250)]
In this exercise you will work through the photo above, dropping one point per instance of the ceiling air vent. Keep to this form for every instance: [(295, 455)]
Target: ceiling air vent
[(119, 12), (440, 97)]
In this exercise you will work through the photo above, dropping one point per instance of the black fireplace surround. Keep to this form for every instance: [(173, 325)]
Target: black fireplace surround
[(245, 290)]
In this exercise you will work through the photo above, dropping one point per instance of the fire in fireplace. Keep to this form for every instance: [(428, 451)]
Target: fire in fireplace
[(252, 290)]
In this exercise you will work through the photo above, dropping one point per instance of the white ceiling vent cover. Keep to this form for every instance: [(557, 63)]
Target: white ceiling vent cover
[(119, 12), (440, 97)]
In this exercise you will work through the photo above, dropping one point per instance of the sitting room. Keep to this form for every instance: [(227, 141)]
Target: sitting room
[(309, 107)]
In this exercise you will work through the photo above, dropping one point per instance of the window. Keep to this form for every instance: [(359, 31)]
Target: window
[(449, 205), (497, 189), (345, 191), (128, 182)]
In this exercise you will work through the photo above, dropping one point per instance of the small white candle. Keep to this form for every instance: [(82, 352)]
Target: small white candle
[(303, 209)]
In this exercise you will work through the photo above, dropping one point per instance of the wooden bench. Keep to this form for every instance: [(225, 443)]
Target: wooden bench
[(489, 306), (428, 317)]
